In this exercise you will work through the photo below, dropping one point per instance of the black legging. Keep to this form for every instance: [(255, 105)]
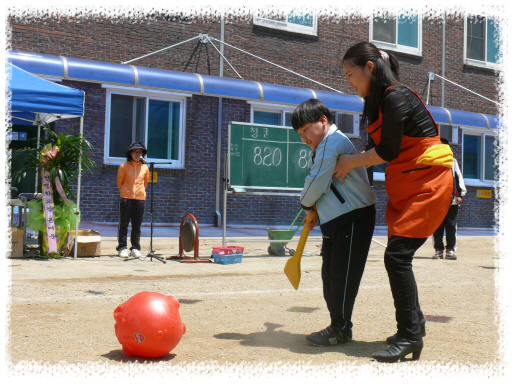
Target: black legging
[(130, 210), (398, 261)]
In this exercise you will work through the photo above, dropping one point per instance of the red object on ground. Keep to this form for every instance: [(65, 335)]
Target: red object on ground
[(149, 324), (228, 250)]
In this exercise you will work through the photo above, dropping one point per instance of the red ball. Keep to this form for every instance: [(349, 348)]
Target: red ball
[(149, 324)]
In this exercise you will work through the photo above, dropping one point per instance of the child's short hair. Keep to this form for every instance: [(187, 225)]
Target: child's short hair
[(310, 111)]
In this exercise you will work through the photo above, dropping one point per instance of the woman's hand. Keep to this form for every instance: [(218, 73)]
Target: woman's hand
[(343, 167), (313, 216)]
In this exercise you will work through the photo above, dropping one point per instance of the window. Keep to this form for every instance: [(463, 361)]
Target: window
[(478, 155), (155, 119), (271, 114), (482, 41), (295, 21), (449, 132), (348, 123), (400, 33)]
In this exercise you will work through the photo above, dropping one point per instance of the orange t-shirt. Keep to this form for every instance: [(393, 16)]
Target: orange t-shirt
[(132, 179)]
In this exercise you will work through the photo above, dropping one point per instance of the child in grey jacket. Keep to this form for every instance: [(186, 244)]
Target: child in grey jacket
[(345, 211)]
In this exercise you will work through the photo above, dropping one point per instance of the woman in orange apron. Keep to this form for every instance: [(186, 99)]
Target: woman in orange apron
[(418, 180)]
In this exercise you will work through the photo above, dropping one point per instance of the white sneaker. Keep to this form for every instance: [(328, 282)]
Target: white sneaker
[(123, 253), (136, 253)]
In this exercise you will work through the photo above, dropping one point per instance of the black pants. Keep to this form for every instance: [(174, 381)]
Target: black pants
[(450, 226), (344, 254), (398, 261), (130, 210)]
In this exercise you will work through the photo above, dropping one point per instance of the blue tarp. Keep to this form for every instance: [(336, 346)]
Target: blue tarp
[(33, 96)]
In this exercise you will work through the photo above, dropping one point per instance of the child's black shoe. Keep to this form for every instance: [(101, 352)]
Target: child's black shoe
[(328, 337)]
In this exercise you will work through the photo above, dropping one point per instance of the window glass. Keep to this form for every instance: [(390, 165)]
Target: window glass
[(305, 19), (472, 156), (121, 124), (489, 157), (475, 38), (267, 118), (408, 31), (140, 119), (295, 21), (384, 29), (288, 119), (492, 42), (380, 167), (163, 129)]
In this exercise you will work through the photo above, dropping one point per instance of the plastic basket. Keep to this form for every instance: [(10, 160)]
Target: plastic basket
[(228, 250), (228, 259)]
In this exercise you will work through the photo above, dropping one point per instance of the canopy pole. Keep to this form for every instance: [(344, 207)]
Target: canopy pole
[(78, 189)]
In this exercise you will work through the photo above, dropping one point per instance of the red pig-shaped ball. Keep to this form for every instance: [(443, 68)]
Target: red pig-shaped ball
[(149, 324)]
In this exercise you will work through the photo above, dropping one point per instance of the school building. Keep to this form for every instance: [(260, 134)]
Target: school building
[(180, 100)]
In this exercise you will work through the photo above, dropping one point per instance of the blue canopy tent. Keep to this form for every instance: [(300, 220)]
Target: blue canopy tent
[(35, 100)]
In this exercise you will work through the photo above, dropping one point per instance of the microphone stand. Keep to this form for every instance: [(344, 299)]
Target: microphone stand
[(151, 253)]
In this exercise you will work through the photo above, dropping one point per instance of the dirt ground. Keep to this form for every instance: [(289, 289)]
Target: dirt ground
[(62, 310)]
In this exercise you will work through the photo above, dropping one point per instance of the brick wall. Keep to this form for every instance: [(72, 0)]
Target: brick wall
[(194, 190)]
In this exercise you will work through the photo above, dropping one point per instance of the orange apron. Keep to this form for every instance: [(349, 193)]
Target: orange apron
[(419, 195)]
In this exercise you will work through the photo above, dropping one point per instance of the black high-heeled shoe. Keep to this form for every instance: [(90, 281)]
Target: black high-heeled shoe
[(392, 339), (398, 350)]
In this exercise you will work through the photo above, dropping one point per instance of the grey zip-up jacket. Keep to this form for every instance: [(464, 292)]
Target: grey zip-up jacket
[(337, 203)]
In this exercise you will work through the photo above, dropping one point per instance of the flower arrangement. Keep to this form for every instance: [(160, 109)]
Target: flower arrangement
[(54, 216)]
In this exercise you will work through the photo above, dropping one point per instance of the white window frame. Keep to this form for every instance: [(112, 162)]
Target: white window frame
[(287, 26), (477, 63), (148, 94), (273, 108), (483, 133), (398, 47), (284, 109)]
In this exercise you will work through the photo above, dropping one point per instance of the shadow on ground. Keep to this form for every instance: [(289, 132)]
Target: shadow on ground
[(297, 343), (120, 356)]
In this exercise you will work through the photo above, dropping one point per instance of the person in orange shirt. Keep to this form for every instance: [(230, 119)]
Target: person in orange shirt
[(132, 179)]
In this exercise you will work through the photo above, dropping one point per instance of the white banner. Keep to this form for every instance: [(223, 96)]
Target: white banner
[(49, 213)]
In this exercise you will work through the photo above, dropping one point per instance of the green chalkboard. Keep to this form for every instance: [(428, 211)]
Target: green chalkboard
[(267, 157)]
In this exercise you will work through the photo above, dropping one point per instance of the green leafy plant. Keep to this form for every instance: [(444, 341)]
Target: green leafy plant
[(62, 163), (59, 155)]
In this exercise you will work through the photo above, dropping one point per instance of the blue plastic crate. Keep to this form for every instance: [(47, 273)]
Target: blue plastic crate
[(228, 259)]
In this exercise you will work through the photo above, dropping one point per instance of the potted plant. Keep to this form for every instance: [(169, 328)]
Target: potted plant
[(57, 160)]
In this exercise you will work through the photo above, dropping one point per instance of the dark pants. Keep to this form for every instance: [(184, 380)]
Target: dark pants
[(398, 261), (344, 254), (130, 210), (450, 226)]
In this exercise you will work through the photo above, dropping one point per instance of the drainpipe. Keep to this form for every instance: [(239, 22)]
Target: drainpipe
[(219, 130), (443, 60)]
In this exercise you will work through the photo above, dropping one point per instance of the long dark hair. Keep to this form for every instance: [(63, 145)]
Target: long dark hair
[(385, 73)]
